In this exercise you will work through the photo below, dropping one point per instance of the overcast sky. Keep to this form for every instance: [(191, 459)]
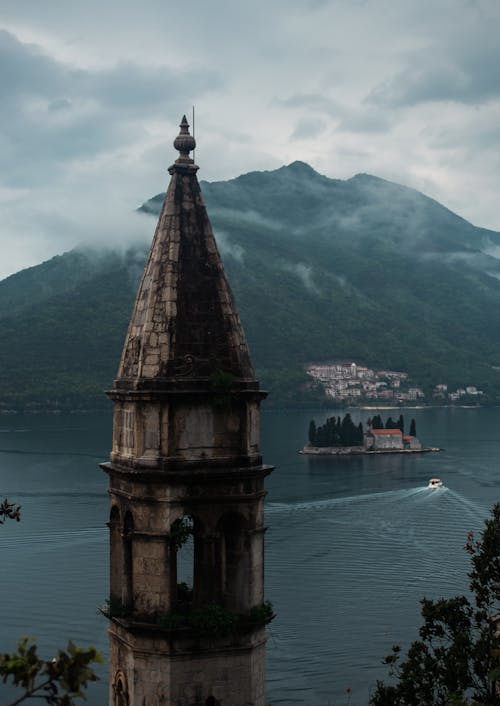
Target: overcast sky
[(91, 95)]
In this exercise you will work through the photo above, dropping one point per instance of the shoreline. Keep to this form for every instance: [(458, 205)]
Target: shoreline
[(360, 451), (6, 411)]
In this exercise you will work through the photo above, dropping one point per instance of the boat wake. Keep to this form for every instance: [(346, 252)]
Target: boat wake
[(325, 504), (474, 510)]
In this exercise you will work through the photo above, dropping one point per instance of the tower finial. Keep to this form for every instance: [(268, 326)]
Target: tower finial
[(184, 142)]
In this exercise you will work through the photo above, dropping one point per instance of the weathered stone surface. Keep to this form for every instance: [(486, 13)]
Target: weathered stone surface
[(163, 672), (184, 294)]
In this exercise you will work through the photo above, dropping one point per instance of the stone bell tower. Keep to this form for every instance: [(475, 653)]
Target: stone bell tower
[(186, 461)]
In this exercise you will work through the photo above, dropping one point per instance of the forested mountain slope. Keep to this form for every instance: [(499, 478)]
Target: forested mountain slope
[(321, 269)]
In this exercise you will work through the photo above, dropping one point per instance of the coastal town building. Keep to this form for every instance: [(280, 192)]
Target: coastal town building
[(469, 393), (348, 382), (185, 463), (344, 382)]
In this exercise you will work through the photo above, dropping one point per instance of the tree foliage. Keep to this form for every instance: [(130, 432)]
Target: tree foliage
[(336, 432), (57, 681), (9, 511), (456, 661)]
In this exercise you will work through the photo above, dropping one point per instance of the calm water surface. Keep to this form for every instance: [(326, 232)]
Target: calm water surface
[(352, 543)]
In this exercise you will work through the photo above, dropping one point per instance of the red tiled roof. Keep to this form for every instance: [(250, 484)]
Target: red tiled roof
[(407, 437), (386, 431)]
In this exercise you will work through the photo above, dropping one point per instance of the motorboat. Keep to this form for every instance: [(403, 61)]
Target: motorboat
[(435, 483)]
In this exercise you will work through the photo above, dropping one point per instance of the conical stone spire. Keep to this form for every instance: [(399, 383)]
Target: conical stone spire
[(184, 328)]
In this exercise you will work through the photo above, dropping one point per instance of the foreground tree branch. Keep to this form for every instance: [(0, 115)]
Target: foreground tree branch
[(57, 681), (9, 511)]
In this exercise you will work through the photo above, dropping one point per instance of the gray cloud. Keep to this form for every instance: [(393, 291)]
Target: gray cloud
[(304, 273), (475, 134), (366, 117), (248, 217), (90, 100), (460, 67), (25, 70), (228, 248), (51, 112), (307, 129), (312, 101), (365, 120)]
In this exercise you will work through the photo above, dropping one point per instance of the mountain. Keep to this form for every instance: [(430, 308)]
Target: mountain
[(322, 269)]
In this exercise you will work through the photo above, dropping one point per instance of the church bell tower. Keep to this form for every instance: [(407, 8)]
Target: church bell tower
[(185, 466)]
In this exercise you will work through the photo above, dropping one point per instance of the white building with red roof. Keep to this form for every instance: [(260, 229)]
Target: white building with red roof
[(384, 439)]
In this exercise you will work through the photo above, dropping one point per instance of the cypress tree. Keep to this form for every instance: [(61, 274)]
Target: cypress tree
[(312, 432), (331, 431), (413, 428), (336, 432), (320, 436), (346, 430)]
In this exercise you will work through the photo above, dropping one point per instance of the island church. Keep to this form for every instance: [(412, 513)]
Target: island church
[(185, 460)]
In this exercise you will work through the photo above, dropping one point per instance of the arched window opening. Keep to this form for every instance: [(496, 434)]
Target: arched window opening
[(128, 575), (234, 563), (115, 556), (120, 690), (211, 701), (182, 548)]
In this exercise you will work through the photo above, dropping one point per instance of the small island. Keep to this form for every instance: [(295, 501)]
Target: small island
[(342, 437)]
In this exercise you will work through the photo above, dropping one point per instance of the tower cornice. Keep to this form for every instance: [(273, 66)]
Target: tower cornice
[(182, 474), (146, 390)]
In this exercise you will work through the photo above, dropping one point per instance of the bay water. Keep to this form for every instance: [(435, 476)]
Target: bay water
[(352, 543)]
